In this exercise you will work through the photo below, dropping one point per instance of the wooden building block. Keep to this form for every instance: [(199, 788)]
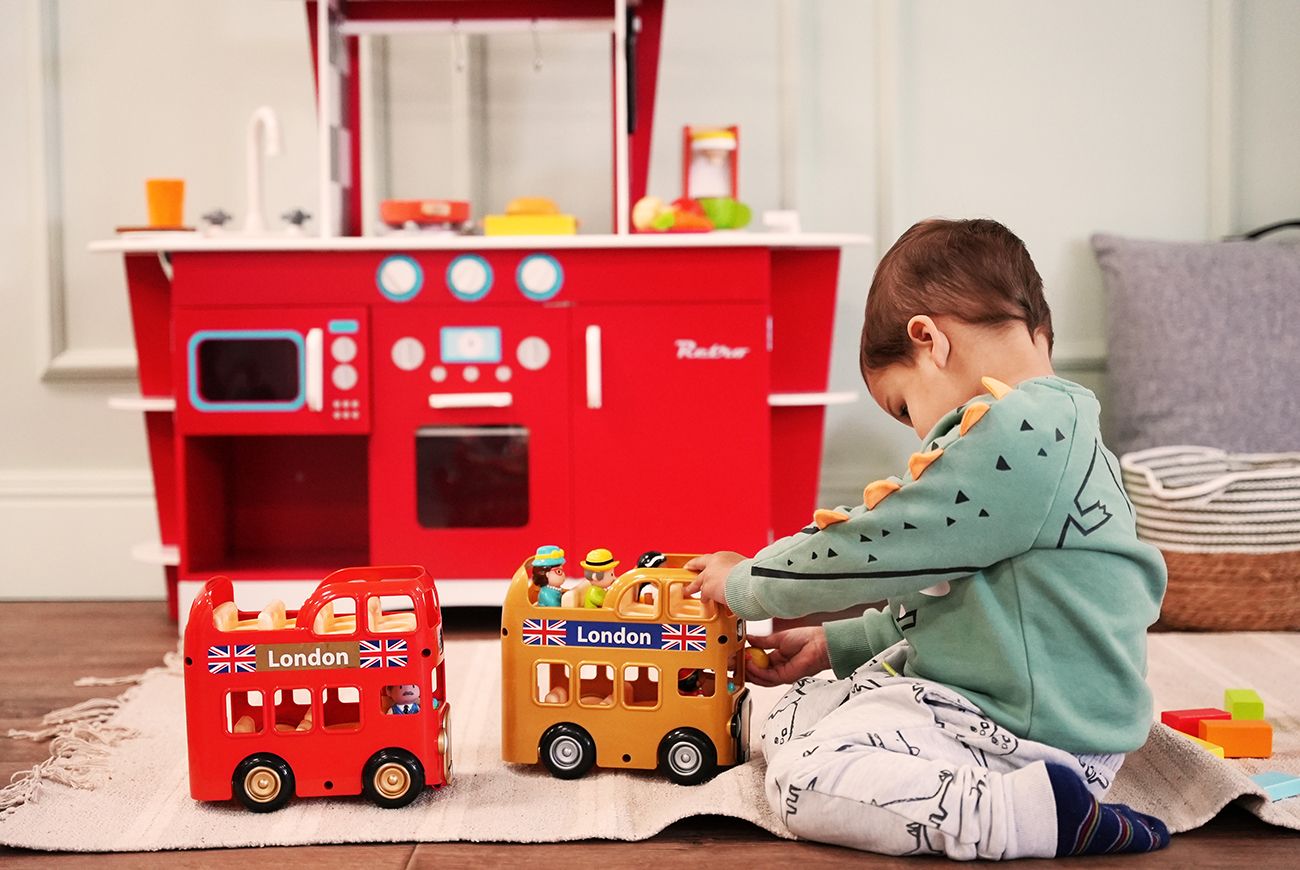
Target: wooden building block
[(1277, 784), (1213, 748), (1243, 703), (1189, 721), (1240, 738)]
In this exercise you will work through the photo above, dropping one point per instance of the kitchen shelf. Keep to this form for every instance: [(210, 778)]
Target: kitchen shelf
[(197, 242), (143, 403), (811, 400), (156, 553)]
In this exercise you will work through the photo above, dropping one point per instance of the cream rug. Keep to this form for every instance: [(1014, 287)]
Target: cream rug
[(120, 783)]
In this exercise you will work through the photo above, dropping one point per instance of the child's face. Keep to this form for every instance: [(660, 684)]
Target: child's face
[(919, 393)]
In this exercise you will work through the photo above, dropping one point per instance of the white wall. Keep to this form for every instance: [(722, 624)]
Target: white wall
[(1060, 119)]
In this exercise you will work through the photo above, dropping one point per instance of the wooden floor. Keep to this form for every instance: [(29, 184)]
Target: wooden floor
[(44, 647)]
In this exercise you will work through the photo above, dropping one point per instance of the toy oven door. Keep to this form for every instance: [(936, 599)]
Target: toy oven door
[(471, 456)]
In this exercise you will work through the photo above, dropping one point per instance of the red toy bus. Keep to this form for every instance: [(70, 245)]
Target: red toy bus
[(346, 695)]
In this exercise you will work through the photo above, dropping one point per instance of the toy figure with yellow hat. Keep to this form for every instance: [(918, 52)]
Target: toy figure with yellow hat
[(548, 574), (598, 568)]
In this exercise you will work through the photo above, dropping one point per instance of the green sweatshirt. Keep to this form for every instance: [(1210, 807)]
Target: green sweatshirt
[(1010, 562)]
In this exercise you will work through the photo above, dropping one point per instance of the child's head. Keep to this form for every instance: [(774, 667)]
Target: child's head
[(950, 302)]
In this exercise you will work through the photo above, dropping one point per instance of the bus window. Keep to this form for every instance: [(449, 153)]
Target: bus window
[(553, 681), (244, 713), (338, 616), (391, 613), (639, 601), (682, 606), (696, 682), (293, 710), (340, 708), (595, 685), (640, 686), (401, 700)]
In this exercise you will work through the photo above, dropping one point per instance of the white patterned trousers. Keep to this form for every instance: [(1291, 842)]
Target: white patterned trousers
[(904, 766)]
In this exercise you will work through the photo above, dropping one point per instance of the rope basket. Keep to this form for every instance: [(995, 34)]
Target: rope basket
[(1229, 528)]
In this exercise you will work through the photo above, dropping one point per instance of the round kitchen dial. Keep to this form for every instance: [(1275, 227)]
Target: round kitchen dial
[(539, 277), (399, 278), (533, 353), (469, 277), (408, 353)]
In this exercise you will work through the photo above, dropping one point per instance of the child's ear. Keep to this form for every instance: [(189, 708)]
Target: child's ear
[(928, 339)]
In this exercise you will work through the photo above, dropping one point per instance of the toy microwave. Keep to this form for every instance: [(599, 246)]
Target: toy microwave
[(292, 370)]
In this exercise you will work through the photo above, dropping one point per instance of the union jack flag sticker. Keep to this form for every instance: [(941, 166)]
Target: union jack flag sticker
[(383, 653), (234, 659), (546, 632), (684, 638)]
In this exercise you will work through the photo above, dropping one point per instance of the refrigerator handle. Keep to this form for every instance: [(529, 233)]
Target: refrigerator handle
[(315, 386), (595, 387)]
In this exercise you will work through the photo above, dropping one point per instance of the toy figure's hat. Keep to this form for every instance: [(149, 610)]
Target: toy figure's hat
[(599, 560), (549, 557)]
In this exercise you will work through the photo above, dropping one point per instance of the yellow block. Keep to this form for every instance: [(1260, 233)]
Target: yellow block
[(1213, 748), (530, 225)]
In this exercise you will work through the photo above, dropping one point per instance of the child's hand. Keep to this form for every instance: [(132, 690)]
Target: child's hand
[(713, 568), (793, 653)]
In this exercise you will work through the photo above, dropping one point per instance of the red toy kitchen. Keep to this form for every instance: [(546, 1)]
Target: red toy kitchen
[(318, 401)]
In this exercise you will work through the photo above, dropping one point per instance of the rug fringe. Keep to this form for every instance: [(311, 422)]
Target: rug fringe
[(80, 739), (77, 757)]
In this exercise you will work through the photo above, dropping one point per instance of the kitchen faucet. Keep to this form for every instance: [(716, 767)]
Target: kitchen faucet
[(263, 140)]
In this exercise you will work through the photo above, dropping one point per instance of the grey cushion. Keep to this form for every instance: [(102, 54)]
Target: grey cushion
[(1204, 343)]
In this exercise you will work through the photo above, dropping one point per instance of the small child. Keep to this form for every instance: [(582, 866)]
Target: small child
[(986, 709)]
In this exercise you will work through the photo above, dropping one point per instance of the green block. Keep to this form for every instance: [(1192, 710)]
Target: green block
[(1243, 703)]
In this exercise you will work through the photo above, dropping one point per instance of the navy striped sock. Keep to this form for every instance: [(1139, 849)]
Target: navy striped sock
[(1084, 826)]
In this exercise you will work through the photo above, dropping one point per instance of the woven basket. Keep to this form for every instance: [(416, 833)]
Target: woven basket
[(1229, 528)]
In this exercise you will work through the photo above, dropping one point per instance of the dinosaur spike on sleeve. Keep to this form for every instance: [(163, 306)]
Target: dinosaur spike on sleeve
[(876, 492), (921, 461), (996, 387), (972, 415), (823, 517)]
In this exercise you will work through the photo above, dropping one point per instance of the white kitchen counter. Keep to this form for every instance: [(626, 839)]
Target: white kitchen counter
[(145, 242)]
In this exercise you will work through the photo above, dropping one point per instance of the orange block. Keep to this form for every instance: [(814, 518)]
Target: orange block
[(1240, 738)]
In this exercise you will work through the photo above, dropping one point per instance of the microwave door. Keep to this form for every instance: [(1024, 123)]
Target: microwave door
[(230, 371)]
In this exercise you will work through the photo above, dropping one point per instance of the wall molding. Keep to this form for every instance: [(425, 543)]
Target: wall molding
[(45, 484), (60, 360)]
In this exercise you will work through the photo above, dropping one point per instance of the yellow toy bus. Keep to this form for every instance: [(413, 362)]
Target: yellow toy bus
[(653, 678)]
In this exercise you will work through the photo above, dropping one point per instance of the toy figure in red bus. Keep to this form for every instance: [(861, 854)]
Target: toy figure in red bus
[(281, 703), (598, 568), (548, 576), (405, 699)]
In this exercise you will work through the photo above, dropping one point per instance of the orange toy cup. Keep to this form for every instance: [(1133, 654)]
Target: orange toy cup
[(166, 201)]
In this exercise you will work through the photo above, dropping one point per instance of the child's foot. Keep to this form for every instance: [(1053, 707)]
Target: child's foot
[(1085, 826)]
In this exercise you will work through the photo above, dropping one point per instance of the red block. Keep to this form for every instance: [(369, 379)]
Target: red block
[(1188, 721)]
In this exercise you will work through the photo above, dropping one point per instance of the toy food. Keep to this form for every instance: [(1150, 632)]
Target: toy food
[(397, 213), (726, 213), (530, 216)]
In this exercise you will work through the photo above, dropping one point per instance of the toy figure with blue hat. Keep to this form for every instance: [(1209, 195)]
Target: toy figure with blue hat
[(548, 575)]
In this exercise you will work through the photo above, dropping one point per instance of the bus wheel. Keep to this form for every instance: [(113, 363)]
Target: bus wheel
[(687, 757), (392, 778), (263, 783), (444, 745), (567, 751)]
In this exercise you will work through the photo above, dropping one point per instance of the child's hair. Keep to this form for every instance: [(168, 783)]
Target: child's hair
[(977, 271)]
